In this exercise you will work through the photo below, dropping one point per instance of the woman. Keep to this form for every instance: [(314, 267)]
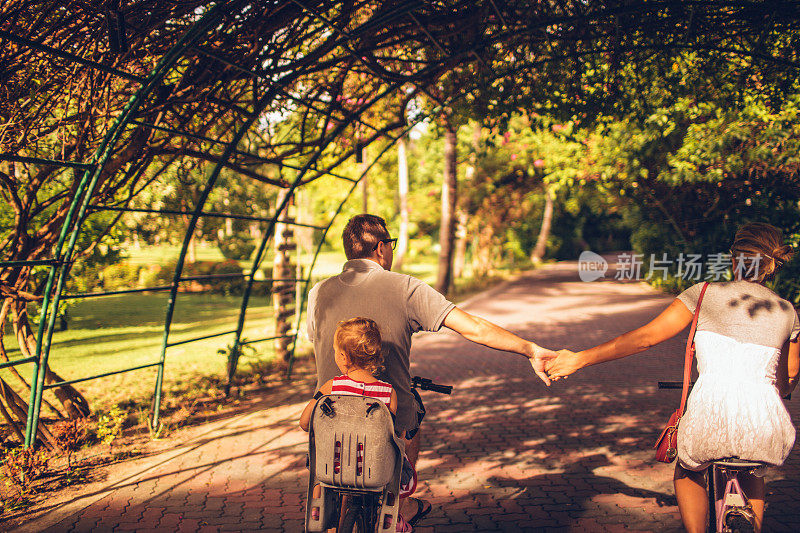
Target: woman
[(748, 356)]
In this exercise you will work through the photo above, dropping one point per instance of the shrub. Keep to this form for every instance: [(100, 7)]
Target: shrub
[(121, 276), (228, 286), (70, 435), (25, 465), (109, 426), (236, 247), (150, 276)]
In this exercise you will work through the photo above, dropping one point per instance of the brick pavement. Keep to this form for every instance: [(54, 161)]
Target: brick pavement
[(503, 453)]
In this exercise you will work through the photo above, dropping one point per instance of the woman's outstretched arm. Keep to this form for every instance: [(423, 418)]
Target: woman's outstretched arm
[(665, 326)]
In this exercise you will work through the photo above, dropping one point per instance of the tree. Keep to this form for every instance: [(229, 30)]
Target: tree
[(447, 225), (402, 193)]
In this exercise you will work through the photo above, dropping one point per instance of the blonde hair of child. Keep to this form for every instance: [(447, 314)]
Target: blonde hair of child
[(360, 340)]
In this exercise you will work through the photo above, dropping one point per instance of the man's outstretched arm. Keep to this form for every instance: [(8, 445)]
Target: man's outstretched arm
[(482, 331)]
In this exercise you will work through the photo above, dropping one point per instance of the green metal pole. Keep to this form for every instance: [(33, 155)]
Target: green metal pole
[(32, 421), (265, 100), (99, 160), (279, 210)]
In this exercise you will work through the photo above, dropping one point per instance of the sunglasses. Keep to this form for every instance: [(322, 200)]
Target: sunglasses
[(392, 241)]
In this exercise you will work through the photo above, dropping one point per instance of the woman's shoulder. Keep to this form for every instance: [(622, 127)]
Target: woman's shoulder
[(690, 296), (758, 295)]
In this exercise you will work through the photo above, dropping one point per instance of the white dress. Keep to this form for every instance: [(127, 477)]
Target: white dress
[(734, 409)]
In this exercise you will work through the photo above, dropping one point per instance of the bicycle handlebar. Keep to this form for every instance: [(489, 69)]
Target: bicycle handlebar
[(672, 384), (427, 384)]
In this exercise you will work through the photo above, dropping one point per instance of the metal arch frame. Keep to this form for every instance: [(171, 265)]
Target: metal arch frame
[(352, 117), (80, 203), (79, 207), (263, 102)]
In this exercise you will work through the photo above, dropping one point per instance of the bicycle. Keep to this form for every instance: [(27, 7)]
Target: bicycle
[(729, 510), (356, 460)]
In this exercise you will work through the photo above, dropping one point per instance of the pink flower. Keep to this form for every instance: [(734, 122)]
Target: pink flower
[(513, 156), (539, 163)]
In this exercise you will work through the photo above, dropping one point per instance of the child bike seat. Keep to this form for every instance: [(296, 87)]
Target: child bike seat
[(353, 442), (352, 447)]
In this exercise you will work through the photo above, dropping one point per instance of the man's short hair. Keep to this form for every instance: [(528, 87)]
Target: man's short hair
[(361, 234)]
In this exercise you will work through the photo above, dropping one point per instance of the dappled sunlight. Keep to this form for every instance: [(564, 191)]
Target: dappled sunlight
[(503, 452)]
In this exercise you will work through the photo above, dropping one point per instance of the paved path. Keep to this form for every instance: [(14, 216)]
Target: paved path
[(504, 453)]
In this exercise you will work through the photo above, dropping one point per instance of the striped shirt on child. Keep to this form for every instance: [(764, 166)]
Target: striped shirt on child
[(376, 389)]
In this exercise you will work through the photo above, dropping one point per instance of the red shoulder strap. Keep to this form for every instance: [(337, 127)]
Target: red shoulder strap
[(687, 365)]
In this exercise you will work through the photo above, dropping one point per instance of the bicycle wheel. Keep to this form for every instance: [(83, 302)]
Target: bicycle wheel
[(739, 521), (353, 521)]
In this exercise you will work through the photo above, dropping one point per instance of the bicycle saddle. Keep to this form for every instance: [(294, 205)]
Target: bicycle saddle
[(735, 462)]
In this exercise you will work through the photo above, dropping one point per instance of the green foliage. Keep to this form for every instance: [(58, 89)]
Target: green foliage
[(237, 247), (24, 465), (690, 173), (109, 425), (103, 246), (121, 276)]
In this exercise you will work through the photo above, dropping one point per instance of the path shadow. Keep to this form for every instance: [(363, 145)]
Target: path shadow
[(561, 488)]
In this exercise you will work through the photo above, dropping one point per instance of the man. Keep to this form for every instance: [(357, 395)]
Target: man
[(401, 305)]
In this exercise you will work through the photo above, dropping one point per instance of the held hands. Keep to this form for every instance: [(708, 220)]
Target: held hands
[(551, 366), (541, 357), (565, 363)]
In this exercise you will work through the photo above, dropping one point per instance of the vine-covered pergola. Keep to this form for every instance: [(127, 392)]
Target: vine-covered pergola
[(99, 98)]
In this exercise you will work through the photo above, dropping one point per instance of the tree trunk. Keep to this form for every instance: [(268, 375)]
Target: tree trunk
[(304, 237), (462, 239), (402, 192), (364, 183), (283, 293), (460, 259), (19, 411), (544, 232), (447, 226)]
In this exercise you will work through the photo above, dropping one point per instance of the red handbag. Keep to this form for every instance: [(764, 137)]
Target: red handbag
[(667, 444)]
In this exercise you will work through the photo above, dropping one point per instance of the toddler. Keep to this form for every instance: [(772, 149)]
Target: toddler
[(357, 350)]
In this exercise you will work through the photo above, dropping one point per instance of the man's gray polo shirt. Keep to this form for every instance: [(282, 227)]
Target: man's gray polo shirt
[(400, 304)]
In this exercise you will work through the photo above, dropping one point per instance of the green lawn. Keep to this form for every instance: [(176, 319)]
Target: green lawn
[(163, 254), (116, 332)]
